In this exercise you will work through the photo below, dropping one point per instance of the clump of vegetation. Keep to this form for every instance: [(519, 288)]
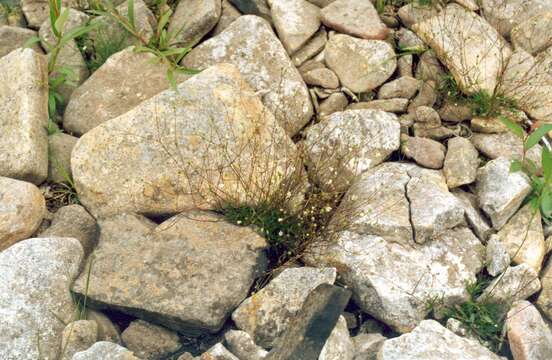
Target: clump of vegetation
[(104, 45)]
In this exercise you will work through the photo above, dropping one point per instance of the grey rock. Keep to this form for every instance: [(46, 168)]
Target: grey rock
[(544, 301), (193, 19), (107, 330), (506, 14), (14, 37), (250, 44), (78, 336), (24, 110), (333, 103), (534, 34), (311, 48), (360, 64), (149, 341), (404, 63), (321, 77), (528, 335), (339, 345), (505, 145), (498, 258), (34, 296), (427, 96), (404, 87), (354, 17), (106, 351), (474, 217), (228, 15), (461, 162), (60, 146), (296, 21), (429, 68), (427, 116), (218, 352), (396, 105), (455, 112), (407, 40), (425, 152), (437, 133), (253, 7), (516, 283), (241, 344), (174, 262), (367, 346)]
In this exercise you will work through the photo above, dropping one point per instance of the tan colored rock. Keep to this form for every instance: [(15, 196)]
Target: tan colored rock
[(544, 301), (516, 283), (506, 14), (461, 162), (404, 87), (22, 208), (107, 330), (534, 34), (37, 11), (13, 37), (354, 17), (528, 335), (228, 15), (477, 222), (78, 336), (396, 105), (321, 77), (193, 19), (149, 341), (60, 146), (425, 152), (311, 48), (333, 103), (295, 21), (107, 351)]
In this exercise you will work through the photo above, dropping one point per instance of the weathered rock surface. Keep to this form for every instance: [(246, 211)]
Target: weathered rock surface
[(182, 278), (242, 345), (412, 13), (517, 283), (311, 48), (395, 105), (354, 17), (266, 314), (367, 345), (321, 77), (60, 146), (250, 44), (78, 336), (498, 258), (106, 351), (461, 162), (339, 345), (425, 152), (333, 103), (295, 21), (22, 208), (228, 15), (218, 352), (534, 34), (24, 110), (107, 330), (149, 341), (360, 64), (133, 163), (403, 87), (506, 14), (348, 143), (474, 217), (34, 296), (37, 11), (193, 19), (14, 37), (431, 341), (528, 335), (544, 301)]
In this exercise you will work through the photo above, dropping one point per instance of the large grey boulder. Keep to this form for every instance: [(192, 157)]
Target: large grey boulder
[(193, 269), (161, 156), (193, 19), (24, 113), (35, 300), (250, 44)]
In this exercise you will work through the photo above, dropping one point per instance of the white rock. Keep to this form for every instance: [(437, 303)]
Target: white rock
[(106, 351), (528, 335), (339, 345), (498, 258), (295, 22)]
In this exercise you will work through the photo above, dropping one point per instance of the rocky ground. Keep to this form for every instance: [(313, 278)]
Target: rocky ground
[(334, 180)]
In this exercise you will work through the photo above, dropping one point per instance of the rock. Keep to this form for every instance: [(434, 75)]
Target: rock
[(339, 345), (125, 80), (499, 191), (334, 103), (22, 208), (431, 341), (37, 11), (174, 261), (186, 356), (361, 65), (250, 44), (404, 63), (295, 21), (193, 19), (407, 40), (312, 331), (412, 13), (75, 222), (493, 146), (34, 296), (523, 236), (429, 68), (367, 346), (217, 101), (437, 133), (427, 116), (461, 162), (24, 108), (14, 37), (321, 77), (534, 34), (487, 125), (78, 336), (475, 219), (311, 48), (106, 351), (455, 112), (357, 139), (228, 15), (544, 301), (266, 314), (218, 352), (241, 344), (516, 283), (528, 335), (149, 341), (427, 96), (12, 16), (476, 69), (404, 87), (425, 152), (457, 327), (357, 18), (107, 330), (60, 146), (254, 7), (506, 14), (498, 258), (389, 105)]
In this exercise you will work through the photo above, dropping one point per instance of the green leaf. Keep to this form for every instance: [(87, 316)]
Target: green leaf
[(77, 32), (61, 20), (513, 127), (546, 203), (163, 21), (546, 162), (170, 76), (31, 41), (53, 19), (537, 135), (130, 13), (516, 166), (51, 103)]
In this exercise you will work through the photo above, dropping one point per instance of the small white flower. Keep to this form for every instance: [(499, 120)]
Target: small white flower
[(238, 222), (280, 233), (280, 219)]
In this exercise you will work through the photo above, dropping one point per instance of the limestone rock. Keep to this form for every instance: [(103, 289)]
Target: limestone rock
[(498, 258), (427, 116), (228, 14), (22, 208), (176, 281), (425, 152), (361, 65), (534, 34), (133, 163), (24, 110), (241, 344), (37, 11), (516, 283), (455, 112), (413, 13), (407, 40), (78, 336), (354, 17), (429, 68), (506, 14), (427, 96), (395, 105), (34, 296), (498, 145), (404, 87), (311, 48), (367, 345), (339, 345), (321, 77), (431, 341), (500, 192), (193, 19), (474, 217), (60, 146), (106, 351), (149, 341), (528, 335), (107, 330), (295, 22), (218, 352), (13, 37), (357, 141), (544, 301), (461, 162), (336, 102), (250, 44)]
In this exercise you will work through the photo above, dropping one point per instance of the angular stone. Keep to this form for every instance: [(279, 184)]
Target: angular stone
[(528, 335), (544, 301), (534, 34), (499, 191), (218, 352), (241, 344), (250, 44), (254, 7), (107, 330), (24, 114), (357, 141), (339, 345), (333, 103), (506, 14), (127, 79), (133, 163), (149, 341), (106, 351), (461, 162), (14, 37), (312, 48), (354, 17), (321, 77), (425, 152), (228, 15), (193, 19), (367, 345), (78, 336), (34, 296), (516, 283), (266, 314), (404, 87), (455, 112), (295, 21), (181, 279), (474, 217), (477, 68), (412, 13), (431, 341), (395, 105), (22, 208), (60, 146), (361, 65), (498, 258), (427, 117), (498, 145)]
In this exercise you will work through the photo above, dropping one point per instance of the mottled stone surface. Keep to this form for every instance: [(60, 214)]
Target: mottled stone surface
[(348, 143), (477, 222), (534, 34), (193, 270), (404, 87), (228, 15), (266, 314), (295, 22), (528, 335), (34, 296), (497, 258), (395, 105), (107, 330), (333, 103), (321, 77), (339, 345), (60, 146), (461, 162), (413, 13), (354, 17), (149, 341), (133, 163), (367, 345), (106, 351), (360, 64), (24, 113), (517, 283), (22, 208), (241, 344), (193, 19), (13, 37), (311, 48), (506, 14), (250, 44), (218, 352), (544, 301), (425, 152), (78, 336), (37, 11)]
